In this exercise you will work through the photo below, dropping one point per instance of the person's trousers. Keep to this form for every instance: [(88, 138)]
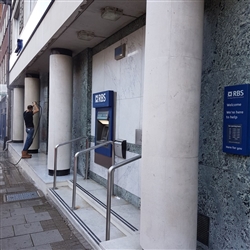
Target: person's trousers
[(29, 139)]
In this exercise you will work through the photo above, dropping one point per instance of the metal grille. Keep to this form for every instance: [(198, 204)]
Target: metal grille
[(21, 196), (203, 229)]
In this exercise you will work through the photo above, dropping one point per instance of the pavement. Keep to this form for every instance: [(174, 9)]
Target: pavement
[(29, 220)]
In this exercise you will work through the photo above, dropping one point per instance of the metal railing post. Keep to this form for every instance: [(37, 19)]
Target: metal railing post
[(74, 181), (7, 145), (87, 162), (110, 181), (55, 166), (112, 176), (75, 168), (109, 190), (113, 184), (108, 211), (113, 154), (55, 155)]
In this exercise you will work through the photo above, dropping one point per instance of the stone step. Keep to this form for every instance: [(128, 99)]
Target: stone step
[(89, 217)]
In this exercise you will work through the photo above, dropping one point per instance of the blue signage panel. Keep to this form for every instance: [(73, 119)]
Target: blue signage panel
[(103, 99), (236, 129)]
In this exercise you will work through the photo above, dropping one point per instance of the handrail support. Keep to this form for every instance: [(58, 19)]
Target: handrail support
[(110, 181), (110, 184), (76, 164), (55, 155)]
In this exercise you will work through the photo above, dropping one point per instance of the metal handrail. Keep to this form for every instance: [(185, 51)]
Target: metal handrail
[(6, 145), (76, 163), (55, 155), (109, 190)]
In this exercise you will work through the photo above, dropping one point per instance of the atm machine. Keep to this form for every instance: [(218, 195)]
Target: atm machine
[(103, 102)]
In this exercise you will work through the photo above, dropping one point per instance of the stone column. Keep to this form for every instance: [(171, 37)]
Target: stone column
[(171, 105), (31, 94), (17, 120), (60, 110)]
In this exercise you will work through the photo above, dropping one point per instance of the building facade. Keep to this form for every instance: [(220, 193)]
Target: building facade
[(167, 64), (4, 68)]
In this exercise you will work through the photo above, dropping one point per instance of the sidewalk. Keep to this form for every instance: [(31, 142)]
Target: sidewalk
[(28, 219)]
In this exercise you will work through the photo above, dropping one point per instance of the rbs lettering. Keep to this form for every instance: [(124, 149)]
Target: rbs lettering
[(237, 93), (100, 98)]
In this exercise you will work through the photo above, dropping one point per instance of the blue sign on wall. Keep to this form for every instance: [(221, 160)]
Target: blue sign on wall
[(103, 99), (236, 129)]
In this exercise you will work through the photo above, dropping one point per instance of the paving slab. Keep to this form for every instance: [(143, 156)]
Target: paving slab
[(15, 189), (14, 220), (31, 203), (6, 232), (32, 224), (46, 237), (17, 242), (9, 205), (3, 191), (37, 217), (19, 211), (42, 247), (4, 214), (28, 228)]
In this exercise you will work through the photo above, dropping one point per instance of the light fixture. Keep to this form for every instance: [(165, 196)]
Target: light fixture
[(120, 52), (85, 35), (111, 13)]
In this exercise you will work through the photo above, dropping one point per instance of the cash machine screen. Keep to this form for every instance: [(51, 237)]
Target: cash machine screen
[(102, 115)]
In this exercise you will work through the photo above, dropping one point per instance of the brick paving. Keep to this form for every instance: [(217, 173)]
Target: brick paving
[(34, 223)]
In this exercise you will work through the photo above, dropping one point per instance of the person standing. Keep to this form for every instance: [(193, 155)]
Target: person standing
[(28, 119)]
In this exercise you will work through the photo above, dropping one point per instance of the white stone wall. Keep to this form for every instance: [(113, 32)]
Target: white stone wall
[(125, 78)]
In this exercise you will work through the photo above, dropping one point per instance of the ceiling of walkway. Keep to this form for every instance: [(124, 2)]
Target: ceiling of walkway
[(90, 20)]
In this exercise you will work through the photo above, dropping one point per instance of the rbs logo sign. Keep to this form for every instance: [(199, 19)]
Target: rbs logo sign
[(100, 98), (103, 99), (237, 93)]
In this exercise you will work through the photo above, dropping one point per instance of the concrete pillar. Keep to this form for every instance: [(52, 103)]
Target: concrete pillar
[(169, 174), (60, 110), (17, 120), (31, 94)]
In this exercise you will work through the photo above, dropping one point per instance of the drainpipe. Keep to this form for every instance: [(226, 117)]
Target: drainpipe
[(8, 99)]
